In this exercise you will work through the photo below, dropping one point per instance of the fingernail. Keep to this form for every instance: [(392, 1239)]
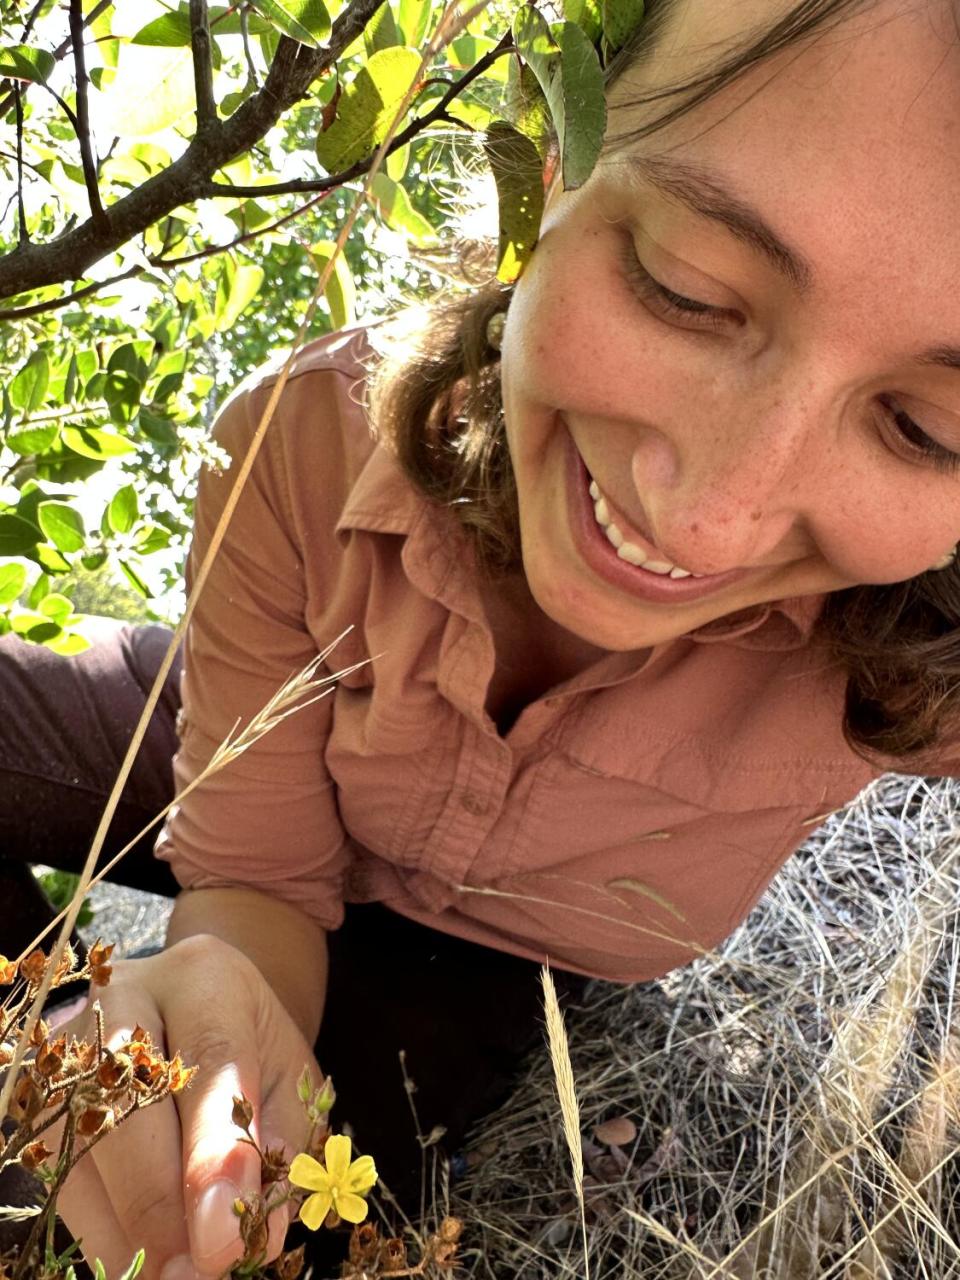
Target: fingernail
[(216, 1226), (179, 1268)]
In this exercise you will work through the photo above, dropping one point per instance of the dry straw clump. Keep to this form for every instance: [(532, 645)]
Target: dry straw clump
[(788, 1107)]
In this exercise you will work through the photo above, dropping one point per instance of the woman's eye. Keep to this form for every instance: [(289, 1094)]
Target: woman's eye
[(915, 441), (669, 304)]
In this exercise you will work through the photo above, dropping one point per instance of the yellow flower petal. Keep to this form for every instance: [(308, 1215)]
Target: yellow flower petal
[(308, 1173), (315, 1208), (350, 1207), (361, 1175), (336, 1156)]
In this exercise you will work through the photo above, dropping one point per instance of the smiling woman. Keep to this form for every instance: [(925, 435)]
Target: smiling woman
[(648, 563), (742, 328)]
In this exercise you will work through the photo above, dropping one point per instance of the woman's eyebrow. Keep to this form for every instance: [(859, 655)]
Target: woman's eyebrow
[(705, 193)]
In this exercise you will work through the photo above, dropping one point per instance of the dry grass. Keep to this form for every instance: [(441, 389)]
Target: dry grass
[(796, 1096)]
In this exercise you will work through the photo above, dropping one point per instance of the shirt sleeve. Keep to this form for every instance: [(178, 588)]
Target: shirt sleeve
[(268, 820)]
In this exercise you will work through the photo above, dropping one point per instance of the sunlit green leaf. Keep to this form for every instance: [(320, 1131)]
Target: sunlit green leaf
[(367, 107), (93, 442), (132, 575), (382, 32), (154, 89), (150, 538), (20, 62), (414, 18), (68, 645), (50, 559), (517, 170), (29, 388), (304, 20), (241, 286), (586, 14), (340, 292), (170, 29), (39, 591), (56, 607), (31, 440), (123, 509), (62, 524), (394, 206), (13, 579)]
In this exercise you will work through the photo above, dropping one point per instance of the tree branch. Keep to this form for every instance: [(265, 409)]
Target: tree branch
[(289, 79), (202, 66), (83, 115), (24, 238)]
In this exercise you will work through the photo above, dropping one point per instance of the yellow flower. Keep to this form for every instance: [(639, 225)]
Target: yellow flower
[(340, 1186)]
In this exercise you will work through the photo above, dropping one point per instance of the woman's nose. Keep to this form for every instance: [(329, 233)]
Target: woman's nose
[(740, 496)]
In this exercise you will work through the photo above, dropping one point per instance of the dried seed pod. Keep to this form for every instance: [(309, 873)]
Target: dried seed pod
[(33, 967), (290, 1264), (93, 1120), (27, 1101), (39, 1033), (273, 1166), (33, 1156), (8, 971), (242, 1113)]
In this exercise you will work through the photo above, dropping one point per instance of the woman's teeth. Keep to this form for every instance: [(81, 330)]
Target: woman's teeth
[(629, 551)]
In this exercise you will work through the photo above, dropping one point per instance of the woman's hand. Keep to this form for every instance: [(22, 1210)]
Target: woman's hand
[(166, 1180)]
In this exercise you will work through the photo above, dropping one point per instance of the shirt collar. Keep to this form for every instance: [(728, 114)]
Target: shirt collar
[(383, 500)]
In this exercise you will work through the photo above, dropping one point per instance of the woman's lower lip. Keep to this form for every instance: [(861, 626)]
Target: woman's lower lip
[(602, 557)]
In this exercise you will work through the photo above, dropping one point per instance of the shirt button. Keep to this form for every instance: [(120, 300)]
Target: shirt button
[(474, 804)]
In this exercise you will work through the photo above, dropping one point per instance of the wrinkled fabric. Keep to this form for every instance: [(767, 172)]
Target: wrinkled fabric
[(627, 821)]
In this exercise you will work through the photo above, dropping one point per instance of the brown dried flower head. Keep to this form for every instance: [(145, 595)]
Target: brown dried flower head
[(290, 1264), (39, 1033), (27, 1101), (273, 1165), (254, 1230), (49, 1059), (93, 1120), (33, 1156), (242, 1113), (33, 967), (8, 971)]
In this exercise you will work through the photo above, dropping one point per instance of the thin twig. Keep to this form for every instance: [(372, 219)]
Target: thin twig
[(83, 115), (202, 67)]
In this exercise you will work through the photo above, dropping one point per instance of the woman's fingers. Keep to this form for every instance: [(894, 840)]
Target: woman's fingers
[(135, 1169), (85, 1207), (218, 1168)]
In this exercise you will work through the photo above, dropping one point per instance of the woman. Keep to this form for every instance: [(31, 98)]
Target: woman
[(732, 426)]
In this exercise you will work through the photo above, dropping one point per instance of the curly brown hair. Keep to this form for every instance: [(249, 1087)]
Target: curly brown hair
[(434, 399)]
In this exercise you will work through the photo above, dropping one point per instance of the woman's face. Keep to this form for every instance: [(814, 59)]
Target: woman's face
[(745, 332)]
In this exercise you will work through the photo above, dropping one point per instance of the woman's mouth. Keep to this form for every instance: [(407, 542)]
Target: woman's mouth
[(620, 555), (630, 551)]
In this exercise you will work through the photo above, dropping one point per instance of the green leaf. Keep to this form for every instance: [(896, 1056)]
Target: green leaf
[(382, 32), (367, 107), (395, 208), (56, 607), (30, 440), (39, 590), (13, 579), (171, 30), (466, 51), (40, 632), (306, 21), (340, 292), (20, 62), (586, 14), (150, 538), (525, 106), (72, 380), (414, 16), (159, 431), (122, 391), (153, 90), (397, 161), (93, 442), (17, 536), (133, 577), (49, 559), (240, 285), (517, 171), (29, 387), (62, 524), (570, 75), (123, 510), (68, 645), (620, 19)]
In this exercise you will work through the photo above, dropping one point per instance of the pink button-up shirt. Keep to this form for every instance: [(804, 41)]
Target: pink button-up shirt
[(628, 820)]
